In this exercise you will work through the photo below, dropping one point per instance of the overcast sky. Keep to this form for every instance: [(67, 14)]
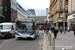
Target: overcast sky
[(39, 5)]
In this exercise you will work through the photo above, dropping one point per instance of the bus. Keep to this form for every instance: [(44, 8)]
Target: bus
[(26, 28)]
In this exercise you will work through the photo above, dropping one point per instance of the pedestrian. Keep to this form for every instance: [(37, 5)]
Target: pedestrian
[(44, 29), (52, 28), (47, 28), (55, 31), (61, 29), (68, 30), (74, 30), (64, 30), (57, 28)]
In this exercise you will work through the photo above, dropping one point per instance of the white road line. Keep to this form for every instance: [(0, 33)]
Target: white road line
[(11, 39), (5, 41)]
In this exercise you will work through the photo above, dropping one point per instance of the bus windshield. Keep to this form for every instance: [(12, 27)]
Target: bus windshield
[(4, 27), (25, 27)]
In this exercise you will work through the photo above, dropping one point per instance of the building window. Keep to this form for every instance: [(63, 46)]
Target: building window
[(0, 7), (61, 7), (61, 0), (12, 2), (66, 0), (66, 6), (60, 15), (66, 15)]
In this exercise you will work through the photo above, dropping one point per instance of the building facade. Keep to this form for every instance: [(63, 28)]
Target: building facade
[(71, 14), (13, 10), (8, 10), (0, 8), (39, 19), (30, 12), (20, 12), (58, 12), (48, 14), (1, 15)]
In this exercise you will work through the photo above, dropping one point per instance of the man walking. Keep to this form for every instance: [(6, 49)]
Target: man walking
[(61, 29), (74, 30), (64, 30), (55, 31)]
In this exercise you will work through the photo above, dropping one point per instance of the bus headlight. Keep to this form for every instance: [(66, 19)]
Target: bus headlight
[(31, 33)]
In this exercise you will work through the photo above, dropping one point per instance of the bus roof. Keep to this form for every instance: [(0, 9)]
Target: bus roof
[(25, 19)]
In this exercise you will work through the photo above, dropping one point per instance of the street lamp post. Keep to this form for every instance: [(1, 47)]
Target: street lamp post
[(47, 13)]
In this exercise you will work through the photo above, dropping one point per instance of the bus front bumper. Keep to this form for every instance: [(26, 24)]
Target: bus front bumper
[(24, 36)]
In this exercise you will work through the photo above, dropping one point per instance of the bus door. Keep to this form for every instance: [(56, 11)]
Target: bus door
[(35, 28)]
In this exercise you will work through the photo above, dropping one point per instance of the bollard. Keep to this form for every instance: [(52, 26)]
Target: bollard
[(46, 32), (53, 46), (63, 49), (49, 37)]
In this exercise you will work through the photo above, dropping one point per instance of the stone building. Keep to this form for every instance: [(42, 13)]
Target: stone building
[(58, 12)]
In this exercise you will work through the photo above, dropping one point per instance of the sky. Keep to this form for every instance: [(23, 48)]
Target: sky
[(39, 5)]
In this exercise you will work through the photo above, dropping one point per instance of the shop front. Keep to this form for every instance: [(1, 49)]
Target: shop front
[(60, 23), (71, 21)]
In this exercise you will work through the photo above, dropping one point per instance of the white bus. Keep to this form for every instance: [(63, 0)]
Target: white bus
[(26, 28)]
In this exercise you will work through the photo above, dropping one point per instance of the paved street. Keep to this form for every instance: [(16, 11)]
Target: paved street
[(24, 44), (66, 41)]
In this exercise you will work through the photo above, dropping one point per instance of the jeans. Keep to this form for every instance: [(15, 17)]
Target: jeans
[(64, 31)]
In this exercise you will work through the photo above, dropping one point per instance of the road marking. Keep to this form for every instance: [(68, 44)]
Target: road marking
[(56, 44), (5, 41)]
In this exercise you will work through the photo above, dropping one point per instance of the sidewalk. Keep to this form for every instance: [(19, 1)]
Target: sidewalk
[(66, 41), (46, 45)]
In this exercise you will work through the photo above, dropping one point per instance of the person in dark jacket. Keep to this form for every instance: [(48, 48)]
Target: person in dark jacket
[(74, 30), (45, 28), (52, 28), (55, 31)]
